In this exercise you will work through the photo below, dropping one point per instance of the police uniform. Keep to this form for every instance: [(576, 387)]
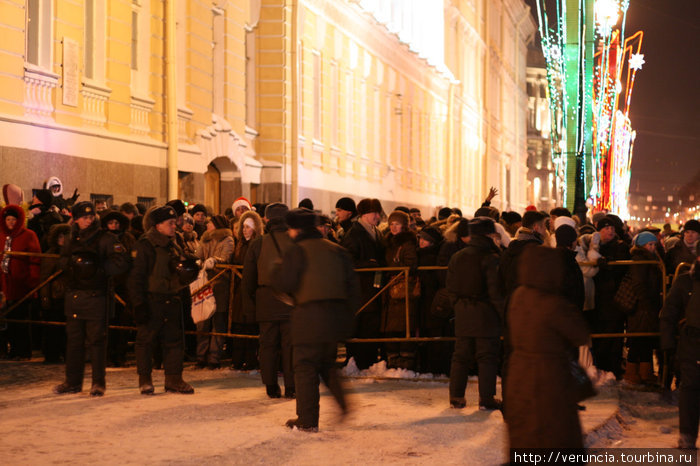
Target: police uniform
[(319, 275), (160, 271), (683, 301), (89, 260)]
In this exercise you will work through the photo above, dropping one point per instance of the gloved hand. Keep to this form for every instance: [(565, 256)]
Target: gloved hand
[(209, 263), (142, 314)]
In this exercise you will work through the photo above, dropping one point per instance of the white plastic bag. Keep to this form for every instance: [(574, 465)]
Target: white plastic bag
[(203, 303)]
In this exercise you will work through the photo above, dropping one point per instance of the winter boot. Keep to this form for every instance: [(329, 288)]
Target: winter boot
[(146, 385), (686, 442), (65, 387), (490, 404), (174, 383), (273, 391), (458, 402), (290, 393), (98, 389), (292, 423), (646, 373), (632, 374)]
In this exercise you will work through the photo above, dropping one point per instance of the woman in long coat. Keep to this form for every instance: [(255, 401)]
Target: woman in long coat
[(244, 353), (401, 251), (541, 409), (215, 247), (18, 275)]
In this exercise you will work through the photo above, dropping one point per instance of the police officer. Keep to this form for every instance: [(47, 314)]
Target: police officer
[(89, 260), (683, 301), (271, 309), (160, 271), (319, 275), (472, 277)]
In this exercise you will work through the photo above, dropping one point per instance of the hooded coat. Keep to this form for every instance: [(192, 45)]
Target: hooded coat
[(544, 328), (239, 253), (18, 275), (401, 251)]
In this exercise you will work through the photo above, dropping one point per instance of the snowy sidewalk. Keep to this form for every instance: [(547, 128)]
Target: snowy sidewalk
[(230, 420)]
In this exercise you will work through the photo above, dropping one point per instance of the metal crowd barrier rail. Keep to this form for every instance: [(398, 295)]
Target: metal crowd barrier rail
[(403, 274)]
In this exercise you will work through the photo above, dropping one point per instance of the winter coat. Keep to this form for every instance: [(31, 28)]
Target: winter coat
[(19, 274), (429, 285), (544, 328), (365, 252), (472, 277), (574, 288), (452, 244), (216, 244), (678, 254), (608, 280), (319, 275), (401, 251), (647, 283), (190, 243), (55, 290), (262, 301), (42, 222), (242, 245), (508, 268), (677, 307)]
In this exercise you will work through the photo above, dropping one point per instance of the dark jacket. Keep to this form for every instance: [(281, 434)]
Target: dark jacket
[(676, 255), (319, 275), (574, 289), (544, 328), (268, 305), (608, 280), (54, 292), (365, 252), (472, 277), (677, 307), (429, 284), (647, 282), (401, 251), (90, 260), (42, 223), (508, 268)]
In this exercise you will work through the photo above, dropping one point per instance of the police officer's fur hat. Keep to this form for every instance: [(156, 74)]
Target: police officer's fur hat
[(482, 226), (301, 218), (276, 210), (162, 214), (178, 205), (82, 209)]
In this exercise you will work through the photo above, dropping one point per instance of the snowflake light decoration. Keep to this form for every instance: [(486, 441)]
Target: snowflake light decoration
[(636, 61)]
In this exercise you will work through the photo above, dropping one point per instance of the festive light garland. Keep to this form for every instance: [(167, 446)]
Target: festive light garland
[(591, 134)]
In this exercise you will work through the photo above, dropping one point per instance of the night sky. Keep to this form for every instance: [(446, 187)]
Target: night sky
[(665, 108)]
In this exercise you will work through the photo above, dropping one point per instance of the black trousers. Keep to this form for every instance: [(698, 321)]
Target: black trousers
[(19, 335), (312, 362), (689, 398), (210, 348), (244, 351), (78, 332), (164, 325), (367, 325), (482, 351), (276, 343), (53, 343), (607, 352)]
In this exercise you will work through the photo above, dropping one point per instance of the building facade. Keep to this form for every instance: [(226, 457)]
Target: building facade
[(275, 100)]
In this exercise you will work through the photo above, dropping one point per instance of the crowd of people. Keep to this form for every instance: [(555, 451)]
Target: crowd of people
[(541, 281)]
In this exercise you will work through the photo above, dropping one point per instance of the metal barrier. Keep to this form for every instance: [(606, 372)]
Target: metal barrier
[(403, 274)]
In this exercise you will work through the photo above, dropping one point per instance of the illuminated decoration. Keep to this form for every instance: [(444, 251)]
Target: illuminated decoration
[(591, 68)]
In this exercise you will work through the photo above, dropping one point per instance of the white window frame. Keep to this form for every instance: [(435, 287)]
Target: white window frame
[(43, 48), (317, 96), (94, 55), (140, 75)]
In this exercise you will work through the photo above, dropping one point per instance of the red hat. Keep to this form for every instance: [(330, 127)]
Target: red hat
[(530, 208)]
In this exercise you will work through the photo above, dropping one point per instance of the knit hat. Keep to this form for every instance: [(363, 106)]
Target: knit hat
[(276, 210), (219, 222), (564, 221), (198, 208), (82, 209), (481, 226), (114, 215), (644, 238), (463, 228), (187, 218), (566, 235), (486, 211), (511, 217), (162, 214), (12, 194), (241, 201), (399, 216), (366, 206), (444, 213), (301, 218), (346, 203), (249, 222), (530, 208), (11, 211), (44, 196), (178, 205), (402, 208), (306, 203), (431, 234), (560, 212), (532, 217), (597, 217), (692, 225)]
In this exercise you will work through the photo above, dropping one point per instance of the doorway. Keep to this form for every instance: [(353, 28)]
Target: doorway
[(212, 188)]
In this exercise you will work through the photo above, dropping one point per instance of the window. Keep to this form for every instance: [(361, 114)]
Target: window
[(140, 46), (134, 40), (318, 96), (217, 62), (94, 45), (350, 125), (335, 103), (39, 32)]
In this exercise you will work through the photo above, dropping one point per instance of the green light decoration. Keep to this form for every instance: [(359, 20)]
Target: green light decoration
[(583, 91)]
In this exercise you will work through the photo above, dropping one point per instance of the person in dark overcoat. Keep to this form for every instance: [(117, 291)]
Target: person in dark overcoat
[(472, 277), (272, 309), (18, 276), (364, 242), (52, 295), (244, 351), (683, 303), (401, 251), (91, 259), (644, 317), (319, 275), (544, 329), (161, 269)]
